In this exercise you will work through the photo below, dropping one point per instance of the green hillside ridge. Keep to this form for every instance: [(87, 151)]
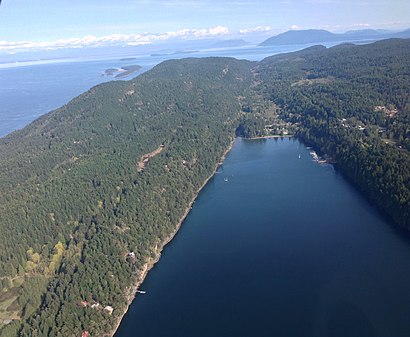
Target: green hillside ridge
[(92, 191)]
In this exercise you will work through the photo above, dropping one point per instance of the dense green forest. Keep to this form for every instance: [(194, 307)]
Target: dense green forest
[(75, 203), (91, 191)]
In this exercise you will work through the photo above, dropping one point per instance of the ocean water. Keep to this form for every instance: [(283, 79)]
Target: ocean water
[(285, 247), (27, 92)]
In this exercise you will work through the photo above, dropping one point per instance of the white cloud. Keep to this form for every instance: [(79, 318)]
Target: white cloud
[(116, 39), (295, 27), (219, 30), (361, 25), (257, 29)]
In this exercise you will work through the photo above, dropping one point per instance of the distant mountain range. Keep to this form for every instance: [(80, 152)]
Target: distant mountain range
[(319, 35)]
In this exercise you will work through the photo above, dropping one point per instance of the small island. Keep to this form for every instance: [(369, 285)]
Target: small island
[(178, 52), (128, 59), (122, 72)]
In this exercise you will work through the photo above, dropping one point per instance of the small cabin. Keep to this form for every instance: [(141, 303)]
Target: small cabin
[(109, 309)]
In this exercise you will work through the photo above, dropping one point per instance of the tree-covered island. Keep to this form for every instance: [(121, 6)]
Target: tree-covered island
[(93, 190)]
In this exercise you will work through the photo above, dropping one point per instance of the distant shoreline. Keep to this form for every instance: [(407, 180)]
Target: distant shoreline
[(151, 262)]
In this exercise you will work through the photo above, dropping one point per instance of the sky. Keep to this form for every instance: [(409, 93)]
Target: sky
[(51, 24)]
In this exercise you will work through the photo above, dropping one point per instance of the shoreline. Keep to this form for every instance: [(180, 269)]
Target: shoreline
[(151, 262), (272, 136)]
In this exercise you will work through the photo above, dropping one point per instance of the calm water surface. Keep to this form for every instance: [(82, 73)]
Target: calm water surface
[(285, 247)]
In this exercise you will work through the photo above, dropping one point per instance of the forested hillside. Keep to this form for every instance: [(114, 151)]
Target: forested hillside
[(75, 203), (91, 191)]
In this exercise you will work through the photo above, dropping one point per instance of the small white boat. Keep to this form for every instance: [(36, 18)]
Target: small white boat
[(314, 156), (226, 179)]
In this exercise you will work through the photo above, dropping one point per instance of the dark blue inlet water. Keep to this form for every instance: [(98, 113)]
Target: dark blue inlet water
[(285, 247)]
